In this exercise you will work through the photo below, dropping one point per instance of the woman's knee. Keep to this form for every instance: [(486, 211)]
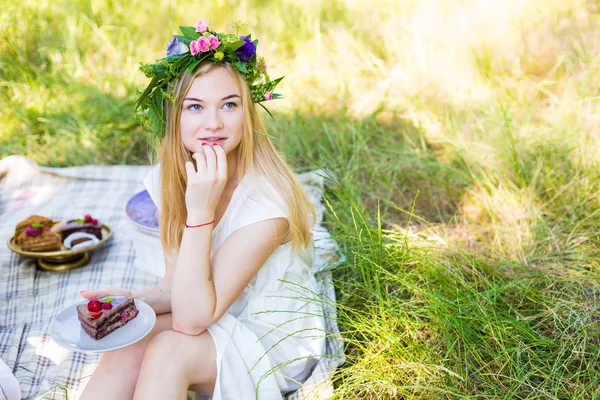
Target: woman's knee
[(184, 354), (181, 358), (165, 346)]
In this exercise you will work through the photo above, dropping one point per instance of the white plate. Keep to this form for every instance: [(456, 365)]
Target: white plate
[(67, 331)]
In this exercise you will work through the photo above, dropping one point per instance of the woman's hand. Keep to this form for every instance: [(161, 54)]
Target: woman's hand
[(158, 296), (107, 291), (205, 183)]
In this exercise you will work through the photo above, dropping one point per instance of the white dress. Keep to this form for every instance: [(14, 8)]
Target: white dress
[(273, 334)]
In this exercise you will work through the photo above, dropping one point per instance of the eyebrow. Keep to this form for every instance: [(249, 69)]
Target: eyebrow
[(231, 96)]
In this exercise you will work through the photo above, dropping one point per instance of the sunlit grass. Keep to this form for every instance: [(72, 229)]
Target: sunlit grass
[(480, 116)]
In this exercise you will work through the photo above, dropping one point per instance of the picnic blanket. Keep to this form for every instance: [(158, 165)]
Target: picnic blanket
[(30, 298)]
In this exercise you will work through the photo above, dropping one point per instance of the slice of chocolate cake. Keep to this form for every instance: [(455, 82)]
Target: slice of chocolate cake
[(98, 318), (87, 224)]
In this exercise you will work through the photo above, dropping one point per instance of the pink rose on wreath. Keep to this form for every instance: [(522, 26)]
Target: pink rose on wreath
[(213, 41), (194, 47), (203, 44), (202, 26), (200, 45), (268, 95)]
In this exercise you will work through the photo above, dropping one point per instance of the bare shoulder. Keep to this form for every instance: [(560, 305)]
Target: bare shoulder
[(272, 231)]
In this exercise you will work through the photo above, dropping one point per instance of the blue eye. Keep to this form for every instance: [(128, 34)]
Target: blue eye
[(230, 106), (194, 107)]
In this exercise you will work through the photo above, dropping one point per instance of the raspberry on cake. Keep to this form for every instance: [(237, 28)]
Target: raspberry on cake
[(98, 318)]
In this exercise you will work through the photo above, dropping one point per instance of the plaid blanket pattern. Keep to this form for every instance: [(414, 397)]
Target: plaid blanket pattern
[(30, 298)]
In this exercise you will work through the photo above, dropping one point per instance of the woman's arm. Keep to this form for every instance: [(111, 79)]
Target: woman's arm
[(159, 296), (203, 289)]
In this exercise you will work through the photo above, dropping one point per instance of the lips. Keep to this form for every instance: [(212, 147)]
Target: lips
[(211, 140)]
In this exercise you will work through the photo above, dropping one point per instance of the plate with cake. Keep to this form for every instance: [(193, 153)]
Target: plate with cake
[(58, 245), (107, 324)]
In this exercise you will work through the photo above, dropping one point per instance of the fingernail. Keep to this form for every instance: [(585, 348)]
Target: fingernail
[(204, 144), (215, 144)]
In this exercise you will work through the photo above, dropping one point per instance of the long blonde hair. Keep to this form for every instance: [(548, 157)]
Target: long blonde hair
[(256, 155)]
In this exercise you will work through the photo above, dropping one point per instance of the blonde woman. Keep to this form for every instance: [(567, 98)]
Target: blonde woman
[(235, 319)]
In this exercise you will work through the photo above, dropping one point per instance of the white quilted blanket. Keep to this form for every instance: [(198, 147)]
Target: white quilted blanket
[(30, 298)]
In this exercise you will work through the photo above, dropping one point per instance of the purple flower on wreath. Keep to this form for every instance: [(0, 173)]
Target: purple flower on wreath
[(175, 47), (247, 51)]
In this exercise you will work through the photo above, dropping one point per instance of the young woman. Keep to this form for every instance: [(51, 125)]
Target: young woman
[(237, 315)]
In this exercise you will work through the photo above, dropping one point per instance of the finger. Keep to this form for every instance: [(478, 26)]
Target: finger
[(88, 294), (93, 294), (221, 162), (200, 157), (211, 161), (108, 291), (189, 168)]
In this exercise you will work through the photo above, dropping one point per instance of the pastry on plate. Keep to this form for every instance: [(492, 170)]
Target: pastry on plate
[(37, 239), (87, 224), (99, 318), (78, 240), (43, 222)]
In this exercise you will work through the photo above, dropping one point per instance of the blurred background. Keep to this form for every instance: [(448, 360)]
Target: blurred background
[(464, 135)]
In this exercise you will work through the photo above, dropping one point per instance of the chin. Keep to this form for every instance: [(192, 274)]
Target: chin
[(193, 149)]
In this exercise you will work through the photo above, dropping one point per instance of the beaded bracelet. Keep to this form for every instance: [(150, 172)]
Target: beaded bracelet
[(198, 226)]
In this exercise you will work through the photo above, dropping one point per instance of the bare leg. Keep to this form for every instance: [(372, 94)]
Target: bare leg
[(174, 362), (116, 375)]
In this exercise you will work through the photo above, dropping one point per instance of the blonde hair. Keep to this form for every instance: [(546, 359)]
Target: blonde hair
[(256, 156)]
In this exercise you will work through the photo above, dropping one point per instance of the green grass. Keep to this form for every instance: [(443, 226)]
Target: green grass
[(464, 136)]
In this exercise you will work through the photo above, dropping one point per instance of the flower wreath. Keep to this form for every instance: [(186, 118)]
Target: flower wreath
[(185, 52)]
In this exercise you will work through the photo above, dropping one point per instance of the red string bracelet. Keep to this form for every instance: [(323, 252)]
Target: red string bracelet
[(198, 226)]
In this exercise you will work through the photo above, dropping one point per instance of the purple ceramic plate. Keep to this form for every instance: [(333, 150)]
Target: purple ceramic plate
[(142, 212)]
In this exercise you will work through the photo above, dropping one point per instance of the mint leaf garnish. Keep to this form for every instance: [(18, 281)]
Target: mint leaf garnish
[(108, 299)]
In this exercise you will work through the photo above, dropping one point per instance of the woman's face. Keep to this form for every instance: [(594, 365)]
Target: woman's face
[(212, 112)]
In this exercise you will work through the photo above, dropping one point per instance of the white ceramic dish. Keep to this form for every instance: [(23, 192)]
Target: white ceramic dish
[(67, 331)]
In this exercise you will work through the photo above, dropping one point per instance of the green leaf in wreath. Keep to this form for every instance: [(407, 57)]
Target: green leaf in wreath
[(241, 66), (173, 58), (231, 47), (189, 32), (159, 68), (183, 39), (193, 65), (274, 82), (266, 109)]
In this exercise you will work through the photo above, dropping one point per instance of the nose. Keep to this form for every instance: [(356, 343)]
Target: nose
[(213, 120)]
